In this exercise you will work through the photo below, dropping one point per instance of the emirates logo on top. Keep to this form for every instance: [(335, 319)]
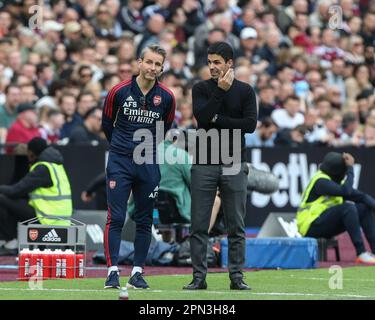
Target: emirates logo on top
[(33, 234)]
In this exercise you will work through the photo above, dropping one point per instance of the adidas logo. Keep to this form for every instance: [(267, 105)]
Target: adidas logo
[(130, 98), (154, 194), (52, 236)]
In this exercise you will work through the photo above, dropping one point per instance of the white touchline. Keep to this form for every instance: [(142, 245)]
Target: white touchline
[(205, 292), (325, 279)]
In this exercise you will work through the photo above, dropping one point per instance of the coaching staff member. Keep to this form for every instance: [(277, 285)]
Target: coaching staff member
[(221, 102), (132, 105)]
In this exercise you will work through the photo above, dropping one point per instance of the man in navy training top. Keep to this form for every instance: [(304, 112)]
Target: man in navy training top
[(138, 103)]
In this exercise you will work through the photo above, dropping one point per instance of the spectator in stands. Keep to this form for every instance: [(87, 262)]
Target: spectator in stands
[(359, 81), (85, 75), (263, 136), (289, 116), (155, 25), (355, 50), (187, 120), (90, 130), (335, 76), (364, 102), (371, 117), (130, 16), (68, 107), (160, 7), (349, 134), (334, 97), (200, 51), (50, 128), (368, 28), (328, 50), (8, 111), (25, 127), (269, 51), (85, 102), (44, 75), (294, 137), (126, 51), (105, 24), (267, 103), (46, 177), (125, 71), (28, 93), (248, 43), (368, 136), (287, 16), (110, 64), (323, 106), (29, 71), (324, 211)]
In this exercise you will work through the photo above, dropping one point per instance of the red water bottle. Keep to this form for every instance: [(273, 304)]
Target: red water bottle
[(45, 257), (56, 264), (24, 262), (36, 264), (80, 265), (67, 264)]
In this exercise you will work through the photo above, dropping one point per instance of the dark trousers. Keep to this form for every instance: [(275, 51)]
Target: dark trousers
[(123, 176), (11, 212), (205, 180), (346, 217)]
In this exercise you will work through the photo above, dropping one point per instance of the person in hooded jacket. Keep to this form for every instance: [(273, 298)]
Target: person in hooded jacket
[(330, 206), (47, 188)]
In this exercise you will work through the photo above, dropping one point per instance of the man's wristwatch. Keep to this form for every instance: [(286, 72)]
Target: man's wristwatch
[(214, 118)]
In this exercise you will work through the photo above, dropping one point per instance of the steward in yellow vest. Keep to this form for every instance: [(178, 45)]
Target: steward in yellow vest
[(47, 188), (324, 211)]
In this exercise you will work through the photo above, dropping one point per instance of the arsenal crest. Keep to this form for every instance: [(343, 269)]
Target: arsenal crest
[(33, 234), (157, 100), (112, 184)]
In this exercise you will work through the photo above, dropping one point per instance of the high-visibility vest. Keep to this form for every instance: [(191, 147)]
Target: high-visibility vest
[(308, 212), (54, 201)]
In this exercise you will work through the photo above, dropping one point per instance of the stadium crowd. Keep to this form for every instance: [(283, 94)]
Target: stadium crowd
[(310, 62)]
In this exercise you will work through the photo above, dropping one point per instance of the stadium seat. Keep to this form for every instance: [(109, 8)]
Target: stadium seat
[(324, 245)]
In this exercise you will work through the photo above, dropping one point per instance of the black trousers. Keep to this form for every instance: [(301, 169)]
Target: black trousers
[(346, 217), (205, 180), (13, 211)]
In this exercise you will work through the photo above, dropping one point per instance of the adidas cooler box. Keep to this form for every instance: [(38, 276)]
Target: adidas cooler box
[(273, 253)]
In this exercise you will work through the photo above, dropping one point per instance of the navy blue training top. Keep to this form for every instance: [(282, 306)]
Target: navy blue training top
[(126, 110)]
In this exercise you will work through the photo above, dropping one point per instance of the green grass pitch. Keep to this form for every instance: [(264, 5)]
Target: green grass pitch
[(357, 283)]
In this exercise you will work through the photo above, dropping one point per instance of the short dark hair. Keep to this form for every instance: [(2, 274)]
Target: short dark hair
[(267, 122), (90, 112), (9, 86), (221, 48), (66, 94), (41, 66), (83, 67), (85, 93), (348, 118)]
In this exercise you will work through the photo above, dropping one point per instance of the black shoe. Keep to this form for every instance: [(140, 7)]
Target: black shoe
[(8, 252), (137, 282), (113, 281), (196, 284), (239, 284)]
